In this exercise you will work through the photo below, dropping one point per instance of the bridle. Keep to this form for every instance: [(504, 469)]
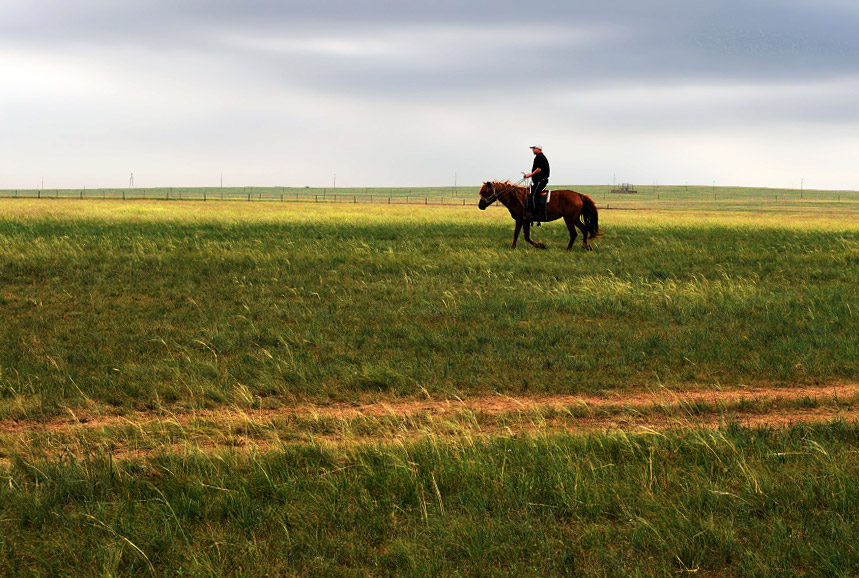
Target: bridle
[(495, 193), (493, 197)]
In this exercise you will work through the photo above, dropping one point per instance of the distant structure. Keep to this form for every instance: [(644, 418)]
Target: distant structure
[(625, 188)]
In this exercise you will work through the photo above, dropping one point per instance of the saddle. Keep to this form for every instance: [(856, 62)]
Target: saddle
[(535, 206)]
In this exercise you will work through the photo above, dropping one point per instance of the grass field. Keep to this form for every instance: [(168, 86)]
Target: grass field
[(188, 335)]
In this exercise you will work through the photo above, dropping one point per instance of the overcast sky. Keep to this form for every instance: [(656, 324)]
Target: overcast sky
[(395, 93)]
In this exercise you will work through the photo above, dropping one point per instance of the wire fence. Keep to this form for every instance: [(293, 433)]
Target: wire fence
[(423, 196), (606, 196)]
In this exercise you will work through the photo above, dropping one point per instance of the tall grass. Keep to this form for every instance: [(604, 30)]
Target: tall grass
[(109, 306), (723, 502), (163, 305)]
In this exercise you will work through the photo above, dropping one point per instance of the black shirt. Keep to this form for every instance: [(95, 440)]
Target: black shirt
[(540, 162)]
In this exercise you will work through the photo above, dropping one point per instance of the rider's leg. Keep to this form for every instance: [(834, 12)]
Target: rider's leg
[(529, 204), (536, 188)]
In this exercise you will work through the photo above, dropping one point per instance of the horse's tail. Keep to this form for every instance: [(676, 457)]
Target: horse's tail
[(590, 217)]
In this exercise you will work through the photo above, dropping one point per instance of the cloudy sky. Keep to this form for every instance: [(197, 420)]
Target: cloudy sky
[(396, 93)]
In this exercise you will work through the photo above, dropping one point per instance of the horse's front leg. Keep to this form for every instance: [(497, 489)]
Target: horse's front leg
[(516, 233)]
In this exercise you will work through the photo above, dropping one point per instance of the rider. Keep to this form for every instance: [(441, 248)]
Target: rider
[(539, 175)]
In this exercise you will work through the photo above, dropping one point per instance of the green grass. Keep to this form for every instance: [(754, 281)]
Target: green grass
[(729, 502), (113, 306), (164, 304)]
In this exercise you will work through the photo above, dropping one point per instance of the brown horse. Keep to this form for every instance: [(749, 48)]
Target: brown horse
[(577, 210)]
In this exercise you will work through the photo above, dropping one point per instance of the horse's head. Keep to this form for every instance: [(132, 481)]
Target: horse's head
[(488, 195)]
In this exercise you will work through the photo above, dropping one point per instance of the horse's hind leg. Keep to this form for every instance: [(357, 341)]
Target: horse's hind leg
[(584, 229), (571, 225), (528, 238)]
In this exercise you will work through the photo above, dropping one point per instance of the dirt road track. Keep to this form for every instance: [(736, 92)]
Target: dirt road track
[(659, 397), (137, 435), (772, 406)]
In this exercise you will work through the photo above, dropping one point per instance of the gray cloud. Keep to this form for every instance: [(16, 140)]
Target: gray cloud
[(648, 40), (254, 83)]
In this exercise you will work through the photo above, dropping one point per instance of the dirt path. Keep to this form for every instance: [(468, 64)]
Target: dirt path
[(660, 397), (827, 400), (140, 435)]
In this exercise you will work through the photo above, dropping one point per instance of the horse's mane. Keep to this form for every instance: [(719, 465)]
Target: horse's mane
[(508, 186)]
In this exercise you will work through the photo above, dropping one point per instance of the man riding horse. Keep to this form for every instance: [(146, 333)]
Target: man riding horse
[(539, 176), (578, 211)]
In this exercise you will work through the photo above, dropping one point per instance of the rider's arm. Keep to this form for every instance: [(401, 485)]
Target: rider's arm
[(529, 175)]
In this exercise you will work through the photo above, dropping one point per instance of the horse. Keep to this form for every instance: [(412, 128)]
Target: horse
[(577, 210)]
